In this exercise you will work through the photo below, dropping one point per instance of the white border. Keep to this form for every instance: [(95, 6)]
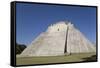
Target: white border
[(5, 33)]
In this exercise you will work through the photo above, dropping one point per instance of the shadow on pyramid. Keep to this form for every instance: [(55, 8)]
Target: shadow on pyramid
[(61, 38)]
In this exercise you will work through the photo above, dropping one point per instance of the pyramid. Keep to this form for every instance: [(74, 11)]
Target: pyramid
[(59, 39)]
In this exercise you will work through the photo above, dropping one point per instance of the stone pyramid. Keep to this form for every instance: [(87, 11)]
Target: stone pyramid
[(59, 39)]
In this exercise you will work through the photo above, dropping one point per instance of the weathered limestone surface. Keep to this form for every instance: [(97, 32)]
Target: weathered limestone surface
[(52, 42), (77, 42)]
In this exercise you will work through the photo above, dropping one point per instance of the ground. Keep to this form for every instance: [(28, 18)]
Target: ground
[(56, 59)]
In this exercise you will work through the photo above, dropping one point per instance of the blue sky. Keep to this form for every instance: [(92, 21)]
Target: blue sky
[(32, 19)]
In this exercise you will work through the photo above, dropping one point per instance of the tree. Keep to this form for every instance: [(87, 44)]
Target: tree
[(20, 48)]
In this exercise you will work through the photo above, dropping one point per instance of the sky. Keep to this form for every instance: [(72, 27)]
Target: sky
[(33, 19)]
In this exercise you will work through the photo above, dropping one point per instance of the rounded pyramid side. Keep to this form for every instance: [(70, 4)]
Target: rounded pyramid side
[(78, 43)]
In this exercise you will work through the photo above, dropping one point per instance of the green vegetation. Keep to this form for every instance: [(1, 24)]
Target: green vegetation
[(20, 48), (56, 59)]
